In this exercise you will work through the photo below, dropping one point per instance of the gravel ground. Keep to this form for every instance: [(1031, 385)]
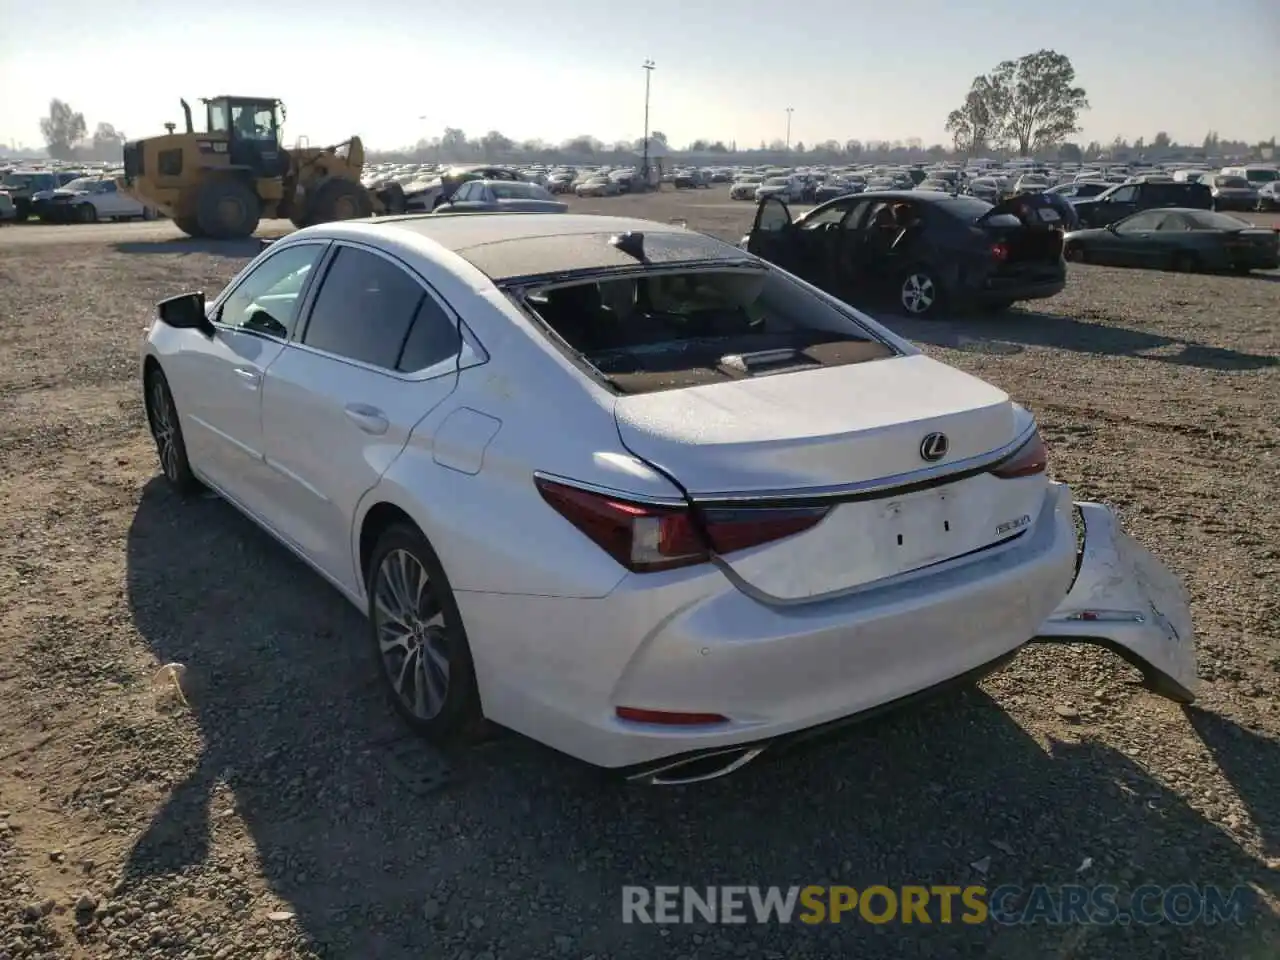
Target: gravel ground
[(276, 810)]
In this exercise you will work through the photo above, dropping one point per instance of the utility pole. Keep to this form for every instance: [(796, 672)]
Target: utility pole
[(647, 66), (789, 111)]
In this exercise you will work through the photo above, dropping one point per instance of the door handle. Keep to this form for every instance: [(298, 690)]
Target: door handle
[(367, 418), (249, 375)]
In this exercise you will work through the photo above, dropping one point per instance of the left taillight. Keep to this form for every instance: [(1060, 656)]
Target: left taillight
[(646, 538), (1000, 252), (1031, 458)]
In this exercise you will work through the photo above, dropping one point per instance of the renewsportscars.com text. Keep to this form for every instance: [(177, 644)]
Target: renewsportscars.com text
[(1100, 904)]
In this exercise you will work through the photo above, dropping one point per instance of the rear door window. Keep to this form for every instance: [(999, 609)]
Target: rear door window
[(433, 338), (364, 309)]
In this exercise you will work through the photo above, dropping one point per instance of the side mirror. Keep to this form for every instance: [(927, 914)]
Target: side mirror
[(185, 312)]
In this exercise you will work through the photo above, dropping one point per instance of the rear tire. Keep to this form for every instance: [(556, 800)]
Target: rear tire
[(228, 210), (338, 200), (920, 292), (992, 307), (418, 641), (86, 213)]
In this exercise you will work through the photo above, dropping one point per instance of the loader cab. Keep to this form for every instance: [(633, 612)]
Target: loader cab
[(251, 126)]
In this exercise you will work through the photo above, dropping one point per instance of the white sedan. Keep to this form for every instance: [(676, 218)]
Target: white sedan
[(631, 491)]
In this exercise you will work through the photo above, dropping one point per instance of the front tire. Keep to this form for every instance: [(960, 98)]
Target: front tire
[(166, 431), (1184, 262), (418, 640)]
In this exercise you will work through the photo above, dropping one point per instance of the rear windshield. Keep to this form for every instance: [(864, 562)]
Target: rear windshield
[(31, 181), (1208, 220), (966, 208), (1234, 183), (515, 190), (1262, 175), (681, 328)]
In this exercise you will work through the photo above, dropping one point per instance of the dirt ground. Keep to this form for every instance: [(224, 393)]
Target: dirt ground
[(277, 810)]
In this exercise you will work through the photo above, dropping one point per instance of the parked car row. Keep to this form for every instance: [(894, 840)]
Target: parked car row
[(67, 196)]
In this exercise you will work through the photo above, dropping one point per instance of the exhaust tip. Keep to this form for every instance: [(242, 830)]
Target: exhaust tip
[(705, 766)]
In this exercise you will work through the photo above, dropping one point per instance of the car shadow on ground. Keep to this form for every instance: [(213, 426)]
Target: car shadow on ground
[(237, 249), (1014, 330), (524, 852)]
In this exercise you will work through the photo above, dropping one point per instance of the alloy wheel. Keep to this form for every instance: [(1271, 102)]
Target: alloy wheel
[(413, 639), (163, 419), (918, 293)]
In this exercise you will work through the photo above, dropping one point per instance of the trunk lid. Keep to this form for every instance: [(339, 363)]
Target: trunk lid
[(1030, 227), (852, 438)]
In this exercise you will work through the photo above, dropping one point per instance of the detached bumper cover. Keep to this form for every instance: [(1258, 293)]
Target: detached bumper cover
[(1127, 601)]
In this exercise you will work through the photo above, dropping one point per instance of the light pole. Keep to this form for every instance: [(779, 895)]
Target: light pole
[(648, 66), (789, 112)]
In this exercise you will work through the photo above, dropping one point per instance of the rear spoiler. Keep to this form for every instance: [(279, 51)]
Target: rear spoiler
[(264, 242)]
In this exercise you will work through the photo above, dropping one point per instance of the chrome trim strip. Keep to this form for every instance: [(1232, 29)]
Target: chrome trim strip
[(881, 485), (647, 499)]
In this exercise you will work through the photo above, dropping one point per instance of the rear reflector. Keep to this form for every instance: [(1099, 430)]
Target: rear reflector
[(668, 718), (1032, 458), (1000, 252), (645, 538)]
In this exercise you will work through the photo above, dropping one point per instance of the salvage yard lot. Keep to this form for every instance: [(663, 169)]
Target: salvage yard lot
[(280, 811)]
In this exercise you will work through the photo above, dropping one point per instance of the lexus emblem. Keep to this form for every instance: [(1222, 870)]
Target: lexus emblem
[(933, 447)]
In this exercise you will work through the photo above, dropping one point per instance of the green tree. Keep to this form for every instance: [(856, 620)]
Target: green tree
[(453, 144), (1070, 153), (1044, 103), (63, 128), (493, 144), (978, 123), (1030, 104)]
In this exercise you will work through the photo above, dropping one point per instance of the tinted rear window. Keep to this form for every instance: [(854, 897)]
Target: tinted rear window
[(680, 328)]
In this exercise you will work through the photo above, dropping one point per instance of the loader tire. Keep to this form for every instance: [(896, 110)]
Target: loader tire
[(391, 196), (339, 200), (188, 225), (228, 210)]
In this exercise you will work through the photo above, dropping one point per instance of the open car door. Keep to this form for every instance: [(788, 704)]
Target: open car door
[(772, 235), (1127, 601)]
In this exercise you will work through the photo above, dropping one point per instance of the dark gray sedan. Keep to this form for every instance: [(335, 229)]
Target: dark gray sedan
[(505, 196)]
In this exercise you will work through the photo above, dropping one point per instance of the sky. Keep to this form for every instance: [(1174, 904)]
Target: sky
[(398, 71)]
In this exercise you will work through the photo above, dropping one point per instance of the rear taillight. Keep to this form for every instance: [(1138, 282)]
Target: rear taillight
[(1032, 458), (646, 538), (1000, 251)]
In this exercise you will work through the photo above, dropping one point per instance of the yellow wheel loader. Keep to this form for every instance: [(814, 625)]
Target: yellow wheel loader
[(221, 182)]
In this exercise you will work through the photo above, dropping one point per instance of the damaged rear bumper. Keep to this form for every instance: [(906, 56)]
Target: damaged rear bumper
[(1127, 601), (1122, 599)]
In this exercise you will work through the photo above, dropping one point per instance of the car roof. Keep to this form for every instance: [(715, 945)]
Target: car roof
[(507, 246)]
